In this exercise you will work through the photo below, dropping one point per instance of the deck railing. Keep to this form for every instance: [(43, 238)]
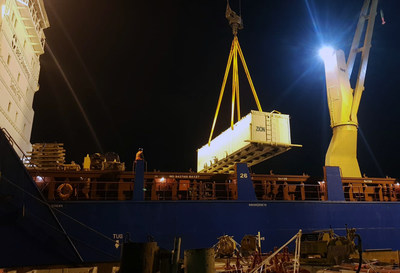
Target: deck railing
[(96, 185), (89, 186), (84, 189), (370, 193)]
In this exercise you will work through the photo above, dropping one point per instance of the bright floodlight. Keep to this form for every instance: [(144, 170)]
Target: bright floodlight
[(326, 52)]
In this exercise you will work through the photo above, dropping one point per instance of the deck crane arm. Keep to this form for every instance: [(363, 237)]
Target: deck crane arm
[(364, 57), (343, 101)]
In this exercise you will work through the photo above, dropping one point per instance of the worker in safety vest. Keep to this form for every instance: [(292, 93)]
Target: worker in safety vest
[(139, 155)]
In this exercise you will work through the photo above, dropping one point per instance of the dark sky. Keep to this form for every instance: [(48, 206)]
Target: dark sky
[(148, 74)]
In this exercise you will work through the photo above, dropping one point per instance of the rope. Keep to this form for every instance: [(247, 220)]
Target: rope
[(72, 237), (54, 209)]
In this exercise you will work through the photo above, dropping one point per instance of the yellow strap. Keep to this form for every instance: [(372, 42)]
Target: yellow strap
[(249, 78), (236, 73), (235, 48), (221, 94)]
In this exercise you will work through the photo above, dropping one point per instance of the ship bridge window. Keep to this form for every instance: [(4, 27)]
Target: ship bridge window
[(9, 106), (16, 116), (8, 59)]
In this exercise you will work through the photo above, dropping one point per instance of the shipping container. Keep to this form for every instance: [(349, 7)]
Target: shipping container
[(255, 138)]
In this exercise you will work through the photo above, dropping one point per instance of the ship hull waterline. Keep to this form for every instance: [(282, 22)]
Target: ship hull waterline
[(200, 223)]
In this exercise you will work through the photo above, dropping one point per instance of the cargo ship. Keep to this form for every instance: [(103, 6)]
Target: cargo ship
[(198, 207), (71, 216)]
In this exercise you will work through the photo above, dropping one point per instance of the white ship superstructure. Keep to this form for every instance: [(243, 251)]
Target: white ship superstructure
[(22, 42)]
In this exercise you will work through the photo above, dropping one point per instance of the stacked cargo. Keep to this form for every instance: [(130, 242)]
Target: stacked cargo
[(46, 156)]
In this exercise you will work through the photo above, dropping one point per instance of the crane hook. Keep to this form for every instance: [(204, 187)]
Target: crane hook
[(235, 21)]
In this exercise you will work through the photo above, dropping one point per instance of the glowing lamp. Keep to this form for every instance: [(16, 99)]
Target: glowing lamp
[(39, 179), (328, 54)]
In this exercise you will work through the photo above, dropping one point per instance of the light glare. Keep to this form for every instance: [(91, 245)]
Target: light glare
[(326, 52)]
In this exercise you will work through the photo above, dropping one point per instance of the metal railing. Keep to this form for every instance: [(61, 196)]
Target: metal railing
[(190, 190), (82, 186), (278, 190), (101, 185), (212, 190), (13, 143), (84, 189), (385, 192)]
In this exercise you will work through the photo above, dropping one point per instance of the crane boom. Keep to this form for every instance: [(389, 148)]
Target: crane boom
[(364, 61), (357, 37)]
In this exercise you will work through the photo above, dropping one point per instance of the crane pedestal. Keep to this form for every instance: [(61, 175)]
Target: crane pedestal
[(342, 150)]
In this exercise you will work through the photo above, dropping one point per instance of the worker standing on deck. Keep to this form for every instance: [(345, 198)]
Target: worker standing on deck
[(139, 156)]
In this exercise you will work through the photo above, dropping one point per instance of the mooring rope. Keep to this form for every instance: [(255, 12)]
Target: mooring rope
[(59, 211)]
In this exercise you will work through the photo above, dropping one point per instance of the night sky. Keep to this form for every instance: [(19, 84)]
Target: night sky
[(148, 74)]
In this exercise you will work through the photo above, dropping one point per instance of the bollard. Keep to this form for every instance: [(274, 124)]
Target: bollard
[(138, 257), (199, 260)]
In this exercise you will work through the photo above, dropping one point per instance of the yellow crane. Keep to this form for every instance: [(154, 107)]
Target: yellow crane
[(343, 101)]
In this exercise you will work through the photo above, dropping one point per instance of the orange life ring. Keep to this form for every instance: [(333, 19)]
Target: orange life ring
[(65, 191)]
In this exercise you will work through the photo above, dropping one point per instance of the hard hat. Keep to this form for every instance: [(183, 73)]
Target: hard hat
[(140, 149)]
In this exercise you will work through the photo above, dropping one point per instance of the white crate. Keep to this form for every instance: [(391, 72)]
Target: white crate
[(256, 128)]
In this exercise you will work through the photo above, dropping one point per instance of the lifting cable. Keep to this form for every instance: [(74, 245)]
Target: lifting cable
[(235, 48), (236, 23)]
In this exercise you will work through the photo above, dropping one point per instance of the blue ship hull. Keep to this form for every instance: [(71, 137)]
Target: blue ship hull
[(35, 232), (201, 223)]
